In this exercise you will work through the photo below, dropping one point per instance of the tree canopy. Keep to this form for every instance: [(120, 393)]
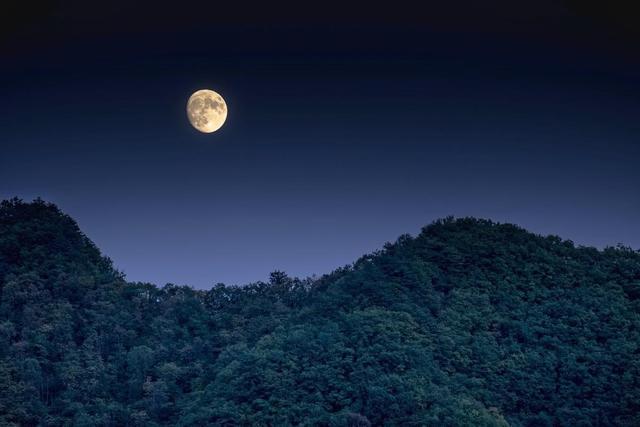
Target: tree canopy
[(469, 323)]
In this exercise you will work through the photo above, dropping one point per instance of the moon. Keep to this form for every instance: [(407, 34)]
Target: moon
[(206, 110)]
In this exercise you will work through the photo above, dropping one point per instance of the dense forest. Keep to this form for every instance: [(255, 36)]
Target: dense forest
[(471, 323)]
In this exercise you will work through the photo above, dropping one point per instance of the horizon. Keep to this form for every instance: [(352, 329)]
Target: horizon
[(320, 274), (344, 130)]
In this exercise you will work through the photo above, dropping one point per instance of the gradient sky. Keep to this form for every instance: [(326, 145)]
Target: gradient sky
[(346, 128)]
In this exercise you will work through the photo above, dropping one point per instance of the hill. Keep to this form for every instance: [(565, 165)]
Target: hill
[(469, 323)]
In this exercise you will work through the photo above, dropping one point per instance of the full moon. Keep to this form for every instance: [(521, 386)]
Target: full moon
[(206, 110)]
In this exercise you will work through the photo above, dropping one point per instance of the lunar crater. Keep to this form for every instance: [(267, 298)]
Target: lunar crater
[(206, 110)]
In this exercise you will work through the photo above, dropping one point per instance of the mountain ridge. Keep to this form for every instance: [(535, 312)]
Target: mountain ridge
[(471, 322)]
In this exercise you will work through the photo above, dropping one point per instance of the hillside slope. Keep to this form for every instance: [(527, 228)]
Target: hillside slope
[(469, 323)]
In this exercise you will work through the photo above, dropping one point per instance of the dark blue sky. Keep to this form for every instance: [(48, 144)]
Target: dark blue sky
[(345, 129)]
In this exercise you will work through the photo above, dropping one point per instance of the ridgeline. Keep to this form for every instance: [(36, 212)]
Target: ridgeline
[(471, 323)]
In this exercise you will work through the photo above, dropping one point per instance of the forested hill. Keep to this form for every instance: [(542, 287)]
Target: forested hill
[(470, 323)]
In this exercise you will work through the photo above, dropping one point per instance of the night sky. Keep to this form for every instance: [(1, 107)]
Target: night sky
[(347, 127)]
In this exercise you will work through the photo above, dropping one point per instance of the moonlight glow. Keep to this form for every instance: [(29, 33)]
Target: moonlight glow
[(207, 110)]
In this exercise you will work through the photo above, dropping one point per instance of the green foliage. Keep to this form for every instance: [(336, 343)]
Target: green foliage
[(469, 323)]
